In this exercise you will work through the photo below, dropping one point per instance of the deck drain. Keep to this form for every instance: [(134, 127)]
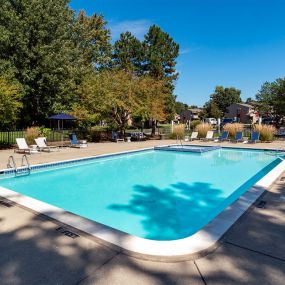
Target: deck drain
[(261, 204), (5, 204), (67, 233)]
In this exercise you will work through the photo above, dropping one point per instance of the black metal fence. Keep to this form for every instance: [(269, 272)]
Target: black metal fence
[(9, 137)]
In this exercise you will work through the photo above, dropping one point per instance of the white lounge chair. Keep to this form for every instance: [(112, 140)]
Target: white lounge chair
[(194, 136), (209, 136), (23, 147), (42, 146)]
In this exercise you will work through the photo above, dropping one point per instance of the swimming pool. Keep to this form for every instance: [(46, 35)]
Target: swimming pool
[(155, 195)]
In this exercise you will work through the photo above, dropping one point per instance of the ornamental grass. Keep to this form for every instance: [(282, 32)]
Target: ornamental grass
[(266, 132), (202, 129), (233, 128), (179, 131)]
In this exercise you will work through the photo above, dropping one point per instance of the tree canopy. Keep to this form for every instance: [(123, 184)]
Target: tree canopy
[(48, 49), (62, 61), (10, 94), (117, 96), (271, 98), (128, 54), (220, 100)]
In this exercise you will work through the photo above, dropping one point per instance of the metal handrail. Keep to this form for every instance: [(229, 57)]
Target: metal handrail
[(24, 157), (13, 165)]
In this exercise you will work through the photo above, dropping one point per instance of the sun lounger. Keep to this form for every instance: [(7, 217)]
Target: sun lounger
[(74, 142), (223, 137), (209, 136), (194, 136), (23, 147), (116, 137), (238, 137), (254, 137), (42, 146)]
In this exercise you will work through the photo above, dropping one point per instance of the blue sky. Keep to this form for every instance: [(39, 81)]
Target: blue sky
[(234, 43)]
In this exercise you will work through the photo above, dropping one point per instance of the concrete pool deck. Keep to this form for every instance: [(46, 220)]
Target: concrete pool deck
[(33, 252), (104, 148)]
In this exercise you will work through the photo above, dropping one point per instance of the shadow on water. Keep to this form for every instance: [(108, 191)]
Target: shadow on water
[(173, 212), (181, 209)]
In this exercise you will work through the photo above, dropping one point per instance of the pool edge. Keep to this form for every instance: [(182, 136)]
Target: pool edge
[(177, 250)]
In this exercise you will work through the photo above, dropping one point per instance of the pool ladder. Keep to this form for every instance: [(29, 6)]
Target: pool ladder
[(25, 168)]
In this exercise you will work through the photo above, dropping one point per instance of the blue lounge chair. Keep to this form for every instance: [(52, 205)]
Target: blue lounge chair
[(238, 137), (74, 142), (224, 136), (116, 137), (254, 137)]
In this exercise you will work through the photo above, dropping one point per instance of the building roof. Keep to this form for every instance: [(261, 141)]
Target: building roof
[(195, 110), (62, 116), (245, 105)]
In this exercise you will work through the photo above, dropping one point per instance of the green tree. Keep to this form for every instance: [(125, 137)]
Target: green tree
[(49, 51), (211, 110), (180, 107), (118, 96), (223, 98), (128, 53), (112, 95), (10, 95), (271, 98), (93, 40), (153, 94), (35, 40), (160, 54), (160, 57)]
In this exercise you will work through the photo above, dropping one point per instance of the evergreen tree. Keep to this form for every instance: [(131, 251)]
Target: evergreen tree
[(128, 53), (271, 98), (160, 60), (160, 54)]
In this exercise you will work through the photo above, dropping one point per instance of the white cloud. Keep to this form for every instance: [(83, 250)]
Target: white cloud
[(188, 50), (137, 27)]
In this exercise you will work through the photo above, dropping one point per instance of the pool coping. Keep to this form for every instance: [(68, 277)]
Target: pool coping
[(176, 250)]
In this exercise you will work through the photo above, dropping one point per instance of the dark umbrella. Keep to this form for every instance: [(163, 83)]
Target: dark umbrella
[(62, 117)]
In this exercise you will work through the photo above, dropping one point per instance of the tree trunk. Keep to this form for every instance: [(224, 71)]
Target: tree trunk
[(153, 127)]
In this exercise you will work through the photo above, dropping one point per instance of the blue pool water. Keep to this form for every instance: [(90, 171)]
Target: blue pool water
[(152, 194)]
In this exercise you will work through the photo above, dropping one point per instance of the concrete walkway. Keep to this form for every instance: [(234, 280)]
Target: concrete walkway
[(34, 252)]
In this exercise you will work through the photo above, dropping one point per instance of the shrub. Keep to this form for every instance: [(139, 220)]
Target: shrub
[(202, 129), (266, 132), (179, 131), (233, 128), (31, 134), (194, 124), (44, 132)]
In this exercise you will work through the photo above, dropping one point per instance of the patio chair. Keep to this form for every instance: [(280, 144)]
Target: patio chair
[(116, 137), (209, 136), (42, 146), (223, 137), (194, 136), (23, 147), (74, 142), (254, 137), (138, 136), (238, 137)]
